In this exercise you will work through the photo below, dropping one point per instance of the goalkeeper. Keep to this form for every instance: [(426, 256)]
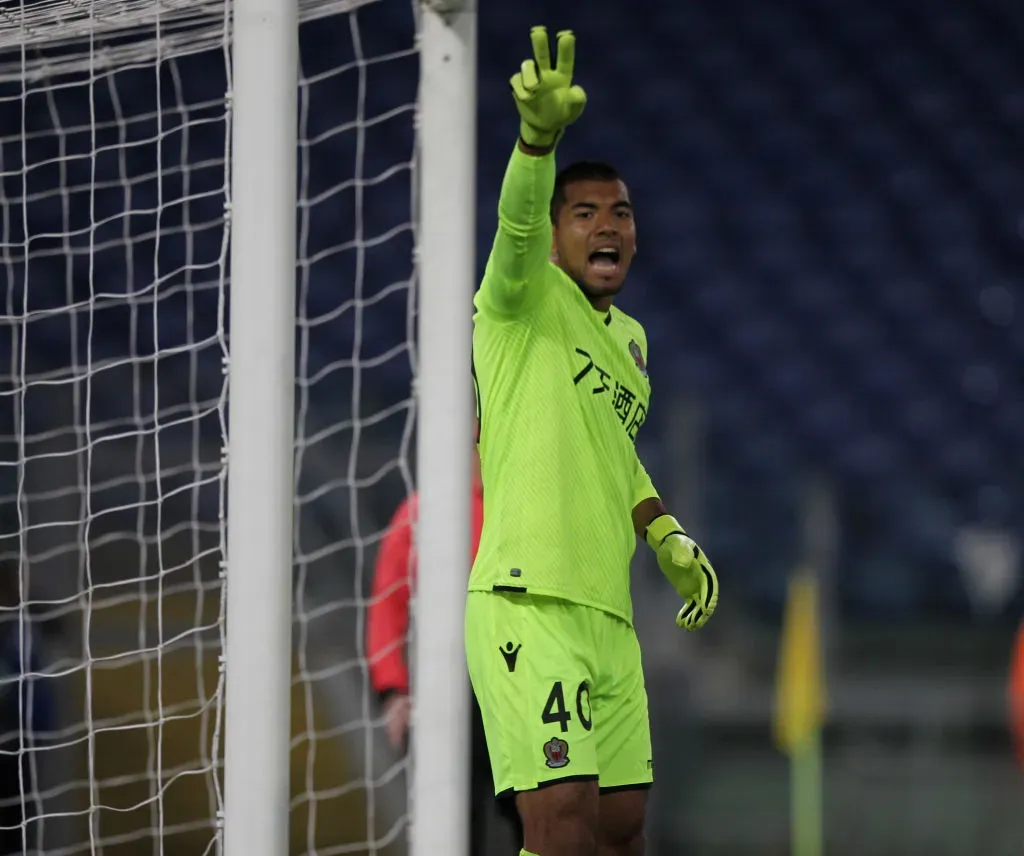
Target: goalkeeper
[(562, 390)]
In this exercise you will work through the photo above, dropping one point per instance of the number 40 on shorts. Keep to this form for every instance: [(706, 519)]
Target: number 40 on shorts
[(555, 711)]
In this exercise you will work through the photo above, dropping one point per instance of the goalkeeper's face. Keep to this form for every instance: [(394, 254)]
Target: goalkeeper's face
[(595, 237)]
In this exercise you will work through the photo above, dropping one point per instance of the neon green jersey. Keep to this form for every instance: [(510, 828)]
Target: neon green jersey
[(562, 391)]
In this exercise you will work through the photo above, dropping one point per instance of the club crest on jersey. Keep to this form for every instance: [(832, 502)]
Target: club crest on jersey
[(638, 357), (556, 753)]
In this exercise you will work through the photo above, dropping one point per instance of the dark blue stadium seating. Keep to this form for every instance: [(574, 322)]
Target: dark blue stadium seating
[(831, 203)]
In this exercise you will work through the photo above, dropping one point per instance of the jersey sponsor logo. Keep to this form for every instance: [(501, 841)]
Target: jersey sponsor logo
[(510, 652), (556, 753), (638, 357), (627, 406)]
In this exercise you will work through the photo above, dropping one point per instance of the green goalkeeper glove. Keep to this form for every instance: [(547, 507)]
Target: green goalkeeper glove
[(687, 568), (545, 97)]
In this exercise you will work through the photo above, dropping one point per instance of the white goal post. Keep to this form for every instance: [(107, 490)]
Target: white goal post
[(441, 728), (261, 377)]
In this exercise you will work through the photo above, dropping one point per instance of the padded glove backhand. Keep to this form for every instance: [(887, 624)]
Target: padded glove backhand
[(545, 96), (687, 568)]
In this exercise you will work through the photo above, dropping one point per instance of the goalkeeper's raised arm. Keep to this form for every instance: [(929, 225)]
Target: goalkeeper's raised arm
[(548, 102)]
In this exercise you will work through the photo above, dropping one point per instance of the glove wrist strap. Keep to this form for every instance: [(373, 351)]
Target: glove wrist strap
[(660, 528), (541, 141)]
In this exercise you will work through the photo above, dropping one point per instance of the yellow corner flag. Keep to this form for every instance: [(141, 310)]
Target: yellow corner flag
[(800, 710), (800, 689)]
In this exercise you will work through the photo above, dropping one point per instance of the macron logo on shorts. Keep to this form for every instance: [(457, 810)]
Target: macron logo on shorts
[(510, 652)]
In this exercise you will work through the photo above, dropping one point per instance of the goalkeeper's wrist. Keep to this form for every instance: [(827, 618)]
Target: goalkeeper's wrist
[(684, 578), (540, 142), (661, 528)]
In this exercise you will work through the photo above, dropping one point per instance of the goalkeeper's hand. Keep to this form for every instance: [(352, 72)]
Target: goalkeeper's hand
[(687, 568), (545, 97)]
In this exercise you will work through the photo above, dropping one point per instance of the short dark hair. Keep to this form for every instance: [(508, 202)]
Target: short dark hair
[(579, 171)]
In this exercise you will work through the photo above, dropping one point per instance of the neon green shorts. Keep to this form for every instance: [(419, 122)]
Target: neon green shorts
[(561, 689)]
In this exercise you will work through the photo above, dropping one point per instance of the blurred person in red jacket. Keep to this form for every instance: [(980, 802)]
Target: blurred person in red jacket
[(1016, 694), (387, 627), (387, 620)]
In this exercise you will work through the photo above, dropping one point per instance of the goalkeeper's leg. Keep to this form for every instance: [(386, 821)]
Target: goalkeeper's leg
[(624, 755), (531, 661), (622, 822), (560, 819)]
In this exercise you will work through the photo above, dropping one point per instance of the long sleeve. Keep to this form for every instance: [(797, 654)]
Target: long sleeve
[(522, 245), (643, 487), (387, 618)]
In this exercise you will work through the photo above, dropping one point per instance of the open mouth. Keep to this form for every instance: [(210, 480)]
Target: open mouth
[(604, 260)]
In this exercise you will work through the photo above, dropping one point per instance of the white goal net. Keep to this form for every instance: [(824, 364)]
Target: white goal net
[(114, 162)]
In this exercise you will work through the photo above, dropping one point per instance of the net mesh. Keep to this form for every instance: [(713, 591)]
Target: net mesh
[(114, 131)]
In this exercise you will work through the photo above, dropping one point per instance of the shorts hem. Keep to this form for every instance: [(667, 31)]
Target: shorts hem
[(636, 786), (547, 783)]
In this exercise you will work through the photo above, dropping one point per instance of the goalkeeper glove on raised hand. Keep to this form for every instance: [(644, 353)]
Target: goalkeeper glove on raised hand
[(545, 97), (687, 568)]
